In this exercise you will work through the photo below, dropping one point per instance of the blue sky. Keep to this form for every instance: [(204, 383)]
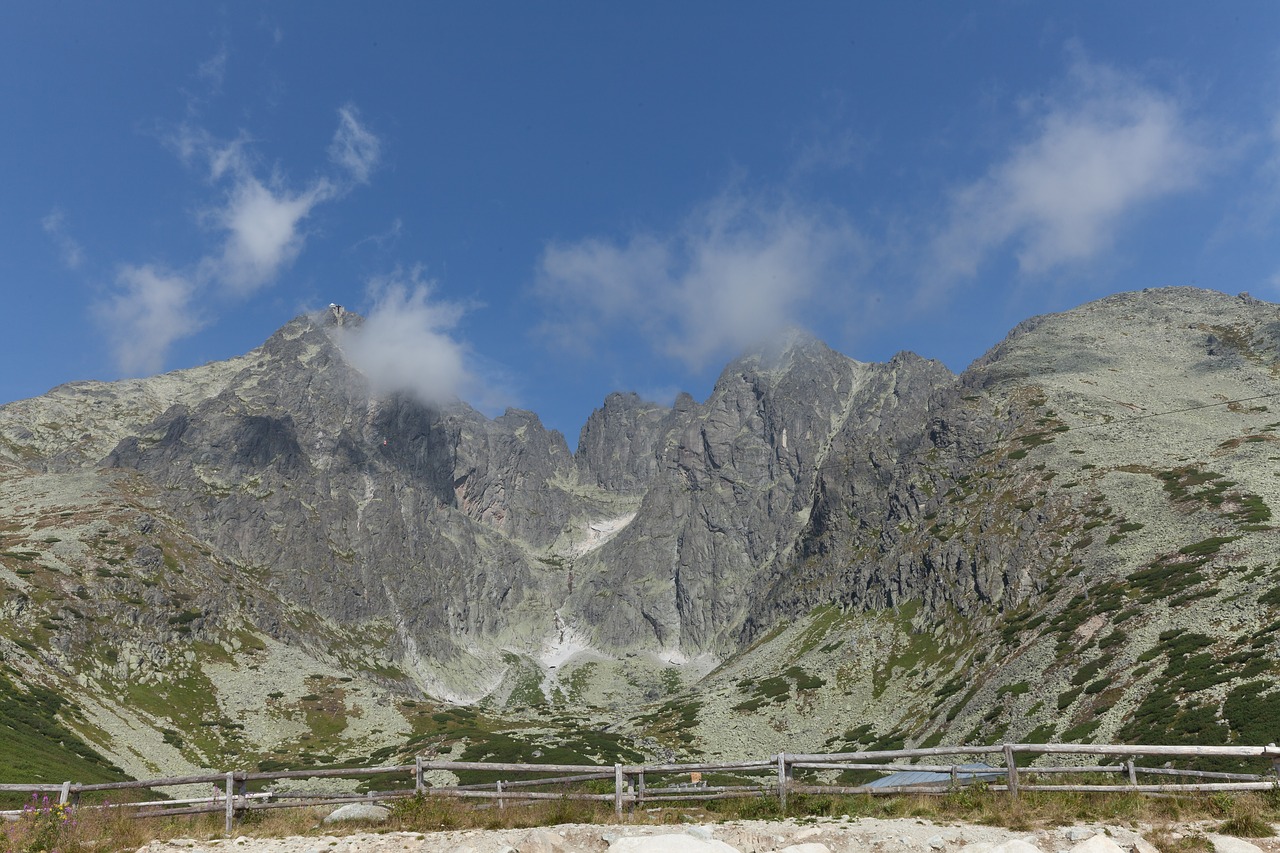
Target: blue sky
[(540, 203)]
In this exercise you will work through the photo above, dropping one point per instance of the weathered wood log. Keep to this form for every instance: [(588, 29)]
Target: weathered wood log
[(1011, 770), (268, 804), (709, 789), (1204, 787), (527, 795), (525, 783), (264, 795), (1205, 774), (512, 768), (883, 789), (731, 795), (184, 810), (895, 768), (1147, 749), (329, 772), (896, 753), (170, 782), (346, 795), (619, 783)]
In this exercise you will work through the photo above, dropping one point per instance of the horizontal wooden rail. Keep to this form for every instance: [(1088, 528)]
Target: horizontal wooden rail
[(533, 783), (1200, 774), (770, 764), (328, 773), (495, 767), (700, 788), (1205, 787), (1083, 768), (528, 795), (894, 753), (1269, 751), (896, 768)]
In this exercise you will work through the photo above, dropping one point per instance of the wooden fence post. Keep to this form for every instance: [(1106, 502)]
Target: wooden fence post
[(640, 788), (65, 795), (502, 803), (618, 784), (782, 781), (419, 784), (1012, 771), (1132, 771), (230, 804)]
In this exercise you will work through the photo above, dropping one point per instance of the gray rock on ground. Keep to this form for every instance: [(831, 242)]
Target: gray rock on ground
[(365, 812), (1229, 844)]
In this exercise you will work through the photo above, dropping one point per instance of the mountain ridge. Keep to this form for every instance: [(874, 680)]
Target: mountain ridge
[(276, 513)]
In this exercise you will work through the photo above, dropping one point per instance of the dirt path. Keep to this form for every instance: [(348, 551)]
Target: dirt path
[(821, 835)]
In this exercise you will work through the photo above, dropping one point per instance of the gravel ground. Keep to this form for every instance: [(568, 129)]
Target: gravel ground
[(823, 835)]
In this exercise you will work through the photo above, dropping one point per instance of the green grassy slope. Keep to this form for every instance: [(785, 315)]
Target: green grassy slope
[(36, 747)]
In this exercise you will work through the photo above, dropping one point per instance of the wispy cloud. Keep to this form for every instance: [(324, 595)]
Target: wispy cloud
[(152, 309), (260, 221), (354, 148), (380, 241), (55, 225), (739, 269), (259, 226), (263, 232), (405, 343), (1104, 147), (213, 71)]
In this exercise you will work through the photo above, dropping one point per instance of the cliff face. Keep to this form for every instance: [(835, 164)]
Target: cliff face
[(617, 445), (274, 505), (735, 489)]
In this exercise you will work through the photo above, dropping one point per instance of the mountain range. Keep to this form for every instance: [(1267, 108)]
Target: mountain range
[(266, 561)]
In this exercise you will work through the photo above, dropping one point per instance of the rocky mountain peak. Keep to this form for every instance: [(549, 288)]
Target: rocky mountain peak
[(617, 448)]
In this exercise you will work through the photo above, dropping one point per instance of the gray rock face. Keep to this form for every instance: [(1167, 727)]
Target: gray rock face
[(362, 510), (509, 474), (358, 813), (734, 491), (617, 448), (858, 497), (313, 506)]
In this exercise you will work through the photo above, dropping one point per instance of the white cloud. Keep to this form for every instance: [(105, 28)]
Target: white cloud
[(152, 310), (1099, 151), (354, 148), (259, 224), (263, 233), (405, 344), (196, 147), (262, 220), (740, 269), (55, 226)]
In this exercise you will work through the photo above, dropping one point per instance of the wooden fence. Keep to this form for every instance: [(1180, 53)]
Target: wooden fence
[(635, 785)]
